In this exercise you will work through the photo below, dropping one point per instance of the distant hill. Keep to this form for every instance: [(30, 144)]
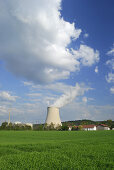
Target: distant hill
[(87, 122), (110, 123)]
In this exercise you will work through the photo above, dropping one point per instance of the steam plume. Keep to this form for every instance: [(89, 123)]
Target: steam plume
[(69, 95)]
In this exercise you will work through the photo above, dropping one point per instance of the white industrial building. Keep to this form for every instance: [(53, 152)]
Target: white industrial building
[(24, 124), (53, 117), (89, 127), (102, 127), (17, 123), (29, 124), (92, 127)]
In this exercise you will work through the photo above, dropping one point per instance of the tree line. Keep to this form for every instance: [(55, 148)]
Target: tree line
[(76, 125), (11, 126)]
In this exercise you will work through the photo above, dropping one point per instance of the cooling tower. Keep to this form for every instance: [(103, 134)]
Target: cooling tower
[(53, 116)]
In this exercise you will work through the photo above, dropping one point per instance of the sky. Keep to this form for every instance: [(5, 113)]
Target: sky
[(56, 53)]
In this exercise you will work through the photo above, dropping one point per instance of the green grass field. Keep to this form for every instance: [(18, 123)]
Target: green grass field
[(45, 150)]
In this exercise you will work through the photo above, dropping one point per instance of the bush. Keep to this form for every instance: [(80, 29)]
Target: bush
[(64, 128)]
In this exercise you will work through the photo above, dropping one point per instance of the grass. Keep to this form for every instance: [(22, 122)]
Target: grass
[(56, 150)]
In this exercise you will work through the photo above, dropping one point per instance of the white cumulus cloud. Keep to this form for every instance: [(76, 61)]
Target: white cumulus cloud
[(111, 52), (110, 78), (34, 41), (6, 96), (110, 63), (86, 55)]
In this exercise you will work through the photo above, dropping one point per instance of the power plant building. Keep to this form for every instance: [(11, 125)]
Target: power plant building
[(53, 116)]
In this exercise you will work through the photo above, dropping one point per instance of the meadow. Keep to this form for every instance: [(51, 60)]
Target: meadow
[(56, 150)]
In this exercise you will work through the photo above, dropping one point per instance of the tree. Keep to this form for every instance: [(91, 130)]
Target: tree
[(74, 128), (4, 125), (80, 127), (112, 126), (9, 126), (109, 123), (41, 127), (64, 127)]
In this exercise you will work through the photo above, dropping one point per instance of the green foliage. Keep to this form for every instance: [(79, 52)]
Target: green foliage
[(4, 125), (85, 122), (74, 128), (78, 122), (35, 150), (64, 127), (38, 127), (12, 126), (51, 127), (80, 127), (109, 123), (112, 126)]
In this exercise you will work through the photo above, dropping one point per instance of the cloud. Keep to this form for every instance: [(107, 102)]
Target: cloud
[(70, 95), (84, 99), (57, 87), (58, 94), (6, 96), (34, 94), (86, 35), (112, 90), (3, 110), (79, 111), (24, 112), (111, 52), (36, 112), (96, 69), (32, 110), (34, 41), (110, 78), (86, 55), (110, 63)]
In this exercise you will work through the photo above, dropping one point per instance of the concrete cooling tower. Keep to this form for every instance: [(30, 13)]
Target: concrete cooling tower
[(53, 116)]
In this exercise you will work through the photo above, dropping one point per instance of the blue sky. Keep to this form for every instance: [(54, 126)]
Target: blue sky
[(60, 54)]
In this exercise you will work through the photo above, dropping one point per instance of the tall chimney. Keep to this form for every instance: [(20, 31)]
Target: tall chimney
[(53, 116), (9, 119)]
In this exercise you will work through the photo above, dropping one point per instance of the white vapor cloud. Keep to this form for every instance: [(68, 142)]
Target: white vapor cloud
[(86, 55), (57, 87), (78, 111), (86, 35), (70, 95), (96, 69), (58, 94), (34, 41), (110, 78), (84, 99), (3, 110), (34, 94), (6, 96), (110, 63), (112, 90), (111, 52)]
